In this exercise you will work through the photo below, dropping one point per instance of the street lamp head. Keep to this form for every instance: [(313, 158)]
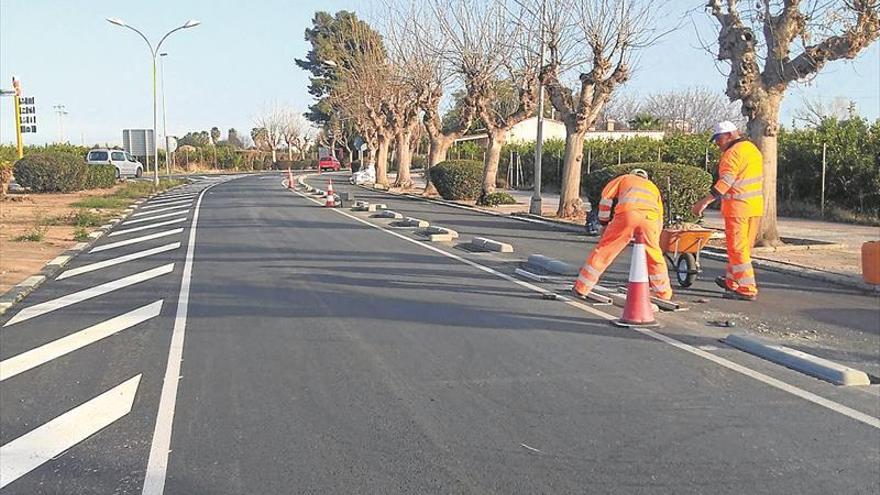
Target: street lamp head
[(163, 54), (191, 23), (116, 20)]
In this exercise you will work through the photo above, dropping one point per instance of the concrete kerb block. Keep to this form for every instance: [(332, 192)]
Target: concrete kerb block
[(485, 244), (438, 234), (799, 361), (552, 265), (388, 214), (415, 222)]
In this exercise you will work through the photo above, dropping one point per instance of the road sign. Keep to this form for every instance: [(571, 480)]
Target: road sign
[(138, 142), (27, 114)]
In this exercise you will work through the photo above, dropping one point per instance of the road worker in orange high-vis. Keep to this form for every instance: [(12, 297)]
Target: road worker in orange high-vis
[(639, 206), (740, 188)]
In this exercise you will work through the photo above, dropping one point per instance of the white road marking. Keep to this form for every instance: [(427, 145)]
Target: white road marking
[(160, 210), (171, 196), (773, 382), (136, 240), (83, 295), (65, 345), (31, 450), (146, 227), (115, 261), (157, 204), (157, 217), (157, 465)]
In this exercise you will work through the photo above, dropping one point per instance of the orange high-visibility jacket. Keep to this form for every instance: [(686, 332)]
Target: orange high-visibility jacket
[(741, 180), (632, 193)]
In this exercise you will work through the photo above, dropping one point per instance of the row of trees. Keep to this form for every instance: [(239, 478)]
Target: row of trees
[(276, 128), (380, 84)]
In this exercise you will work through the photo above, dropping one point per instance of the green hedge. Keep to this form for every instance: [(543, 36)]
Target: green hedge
[(52, 172), (296, 164), (102, 176), (458, 179), (499, 198), (680, 185)]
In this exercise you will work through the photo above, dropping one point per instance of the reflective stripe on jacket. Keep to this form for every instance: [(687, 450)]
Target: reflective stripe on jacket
[(632, 193), (741, 180)]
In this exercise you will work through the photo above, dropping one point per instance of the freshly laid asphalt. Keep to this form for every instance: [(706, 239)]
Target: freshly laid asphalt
[(323, 355)]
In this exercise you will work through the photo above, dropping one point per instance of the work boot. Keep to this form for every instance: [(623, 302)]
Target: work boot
[(736, 296), (721, 282)]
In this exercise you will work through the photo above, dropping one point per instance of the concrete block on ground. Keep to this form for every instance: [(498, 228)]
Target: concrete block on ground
[(799, 361), (435, 230), (415, 222), (388, 214), (485, 244), (552, 265)]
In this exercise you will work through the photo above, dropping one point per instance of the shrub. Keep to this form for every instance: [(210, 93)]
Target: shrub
[(80, 234), (296, 164), (102, 176), (51, 172), (418, 162), (499, 198), (458, 179), (680, 185)]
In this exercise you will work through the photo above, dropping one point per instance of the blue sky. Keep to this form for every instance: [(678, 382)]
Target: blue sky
[(240, 60)]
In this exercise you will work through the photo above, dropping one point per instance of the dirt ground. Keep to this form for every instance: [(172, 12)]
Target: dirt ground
[(21, 214)]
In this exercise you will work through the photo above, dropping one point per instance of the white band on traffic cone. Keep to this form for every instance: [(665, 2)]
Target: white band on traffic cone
[(638, 268)]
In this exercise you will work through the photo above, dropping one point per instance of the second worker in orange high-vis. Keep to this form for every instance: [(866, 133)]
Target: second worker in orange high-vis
[(740, 188), (639, 206)]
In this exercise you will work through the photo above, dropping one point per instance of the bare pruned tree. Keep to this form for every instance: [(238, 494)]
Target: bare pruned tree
[(594, 40), (771, 44), (294, 132), (491, 49), (271, 121), (814, 110)]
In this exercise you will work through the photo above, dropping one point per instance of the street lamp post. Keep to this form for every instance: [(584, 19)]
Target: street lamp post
[(165, 116), (154, 52), (535, 206)]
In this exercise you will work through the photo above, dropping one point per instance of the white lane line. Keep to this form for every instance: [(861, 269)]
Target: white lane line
[(136, 240), (157, 217), (157, 465), (115, 261), (31, 450), (146, 227), (171, 196), (157, 204), (64, 301), (160, 210), (773, 382), (65, 345)]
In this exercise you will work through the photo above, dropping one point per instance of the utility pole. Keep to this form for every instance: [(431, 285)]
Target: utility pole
[(535, 207), (165, 115), (61, 111)]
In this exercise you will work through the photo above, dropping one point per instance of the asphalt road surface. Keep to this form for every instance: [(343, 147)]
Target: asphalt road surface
[(263, 344)]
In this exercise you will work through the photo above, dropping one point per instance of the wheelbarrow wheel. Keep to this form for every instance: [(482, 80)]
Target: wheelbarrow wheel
[(686, 269)]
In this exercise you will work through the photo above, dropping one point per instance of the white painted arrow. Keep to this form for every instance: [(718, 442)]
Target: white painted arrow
[(65, 345), (33, 449), (64, 301)]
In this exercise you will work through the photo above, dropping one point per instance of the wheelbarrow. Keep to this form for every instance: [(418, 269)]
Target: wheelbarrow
[(682, 246)]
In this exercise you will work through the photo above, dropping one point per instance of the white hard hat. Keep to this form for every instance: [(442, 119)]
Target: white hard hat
[(640, 172), (723, 128)]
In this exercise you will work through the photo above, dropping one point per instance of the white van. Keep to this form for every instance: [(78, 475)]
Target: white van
[(126, 165)]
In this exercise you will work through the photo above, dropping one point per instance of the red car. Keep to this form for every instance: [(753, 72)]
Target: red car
[(330, 163)]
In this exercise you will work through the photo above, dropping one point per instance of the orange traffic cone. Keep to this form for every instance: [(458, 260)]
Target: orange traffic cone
[(331, 196), (637, 311), (289, 179)]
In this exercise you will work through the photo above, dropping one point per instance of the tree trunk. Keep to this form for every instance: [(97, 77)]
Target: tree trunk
[(570, 203), (289, 153), (403, 158), (382, 160), (437, 152), (274, 157), (490, 164), (763, 128)]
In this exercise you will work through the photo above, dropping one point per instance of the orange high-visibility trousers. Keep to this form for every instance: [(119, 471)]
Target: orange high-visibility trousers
[(615, 238), (740, 233)]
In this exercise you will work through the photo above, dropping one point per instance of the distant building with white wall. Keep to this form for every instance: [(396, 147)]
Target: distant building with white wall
[(527, 131)]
